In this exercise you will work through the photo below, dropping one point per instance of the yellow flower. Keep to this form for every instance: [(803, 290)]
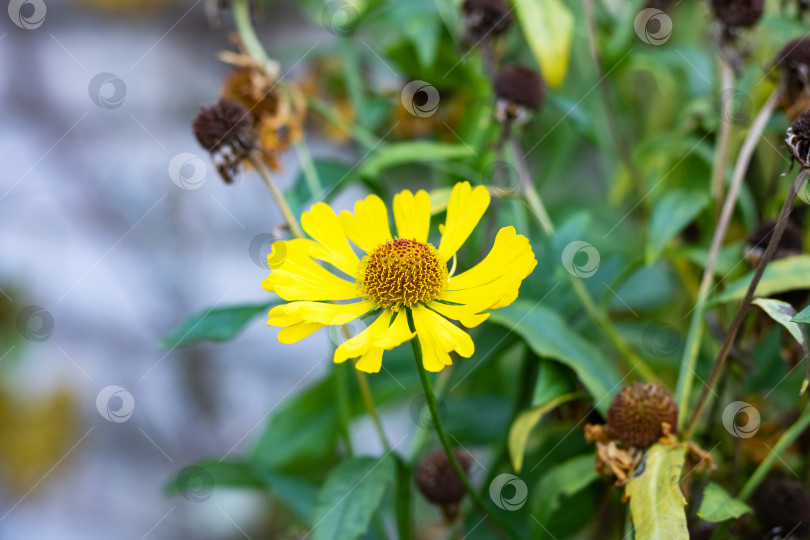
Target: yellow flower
[(397, 275)]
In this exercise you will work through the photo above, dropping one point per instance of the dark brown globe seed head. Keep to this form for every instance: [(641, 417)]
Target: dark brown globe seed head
[(226, 131), (734, 14), (636, 413), (793, 63), (783, 504), (519, 90), (798, 139), (486, 18), (438, 481)]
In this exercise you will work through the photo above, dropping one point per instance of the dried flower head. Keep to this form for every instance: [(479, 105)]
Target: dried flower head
[(790, 244), (793, 63), (519, 89), (486, 18), (798, 139), (225, 130), (783, 505), (637, 414), (735, 14), (438, 481)]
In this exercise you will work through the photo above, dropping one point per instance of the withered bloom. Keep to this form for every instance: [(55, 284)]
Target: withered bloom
[(798, 139), (519, 90), (226, 131), (636, 414), (486, 18), (737, 14), (793, 63)]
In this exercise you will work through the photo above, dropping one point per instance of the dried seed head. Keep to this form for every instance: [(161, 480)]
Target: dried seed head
[(798, 139), (226, 131), (734, 14), (784, 505), (521, 86), (437, 480), (636, 413), (486, 18), (793, 63)]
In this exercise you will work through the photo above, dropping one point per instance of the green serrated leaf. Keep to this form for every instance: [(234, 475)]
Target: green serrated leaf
[(216, 324), (717, 505), (548, 26), (523, 425), (563, 480), (410, 152), (350, 497), (780, 276), (656, 502), (672, 212), (550, 336)]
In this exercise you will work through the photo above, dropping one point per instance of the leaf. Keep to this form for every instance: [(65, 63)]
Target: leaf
[(563, 480), (803, 316), (656, 502), (783, 313), (215, 324), (350, 496), (523, 425), (411, 152), (672, 212), (550, 336), (548, 26), (783, 275), (717, 505)]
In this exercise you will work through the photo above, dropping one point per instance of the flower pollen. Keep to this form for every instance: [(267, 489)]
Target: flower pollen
[(402, 272)]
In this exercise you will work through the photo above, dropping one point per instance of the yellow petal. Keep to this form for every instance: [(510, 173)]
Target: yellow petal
[(359, 344), (299, 277), (464, 211), (495, 281), (396, 334), (549, 27), (467, 315), (371, 361), (368, 226), (412, 215), (317, 312), (438, 337), (297, 332), (323, 225), (379, 335)]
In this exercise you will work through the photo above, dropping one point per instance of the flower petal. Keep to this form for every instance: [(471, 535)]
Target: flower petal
[(464, 211), (360, 344), (297, 332), (379, 335), (299, 277), (467, 315), (323, 225), (494, 282), (438, 337), (368, 226), (371, 361), (317, 312), (412, 215)]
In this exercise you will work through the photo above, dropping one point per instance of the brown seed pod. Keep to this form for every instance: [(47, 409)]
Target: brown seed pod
[(798, 139), (784, 505), (636, 413), (793, 63), (438, 481), (486, 18), (226, 131), (520, 85), (735, 14)]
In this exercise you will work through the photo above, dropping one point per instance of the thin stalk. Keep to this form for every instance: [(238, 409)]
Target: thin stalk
[(693, 338), (308, 166), (724, 139), (357, 132), (371, 407), (421, 436), (244, 27), (278, 196), (403, 511), (720, 362), (344, 414), (445, 440), (532, 197)]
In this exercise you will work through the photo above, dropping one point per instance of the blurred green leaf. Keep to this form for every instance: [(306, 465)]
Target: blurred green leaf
[(350, 497), (548, 26), (803, 316), (524, 424), (406, 153), (332, 174), (784, 314), (550, 383), (563, 480), (656, 502), (671, 213), (780, 276), (717, 505), (550, 336), (216, 324)]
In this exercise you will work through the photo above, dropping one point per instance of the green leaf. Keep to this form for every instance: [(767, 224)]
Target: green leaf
[(410, 152), (671, 213), (803, 316), (523, 425), (548, 26), (216, 324), (350, 497), (783, 313), (656, 502), (563, 480), (717, 505), (550, 336), (783, 275)]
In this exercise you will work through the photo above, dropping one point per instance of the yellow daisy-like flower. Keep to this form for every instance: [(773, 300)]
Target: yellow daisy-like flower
[(397, 275)]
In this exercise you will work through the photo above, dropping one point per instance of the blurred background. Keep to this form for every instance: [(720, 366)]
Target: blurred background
[(103, 255)]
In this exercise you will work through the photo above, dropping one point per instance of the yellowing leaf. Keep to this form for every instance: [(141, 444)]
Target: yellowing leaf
[(656, 502), (548, 26), (519, 432)]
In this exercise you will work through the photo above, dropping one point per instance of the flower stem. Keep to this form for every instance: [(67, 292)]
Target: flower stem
[(720, 362), (371, 408), (445, 441), (721, 153), (693, 338), (308, 167), (244, 27), (278, 196), (344, 414)]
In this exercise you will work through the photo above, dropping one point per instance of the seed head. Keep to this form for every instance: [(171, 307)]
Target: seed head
[(734, 14), (636, 413), (521, 86), (798, 139), (438, 481), (783, 504), (793, 63), (486, 18)]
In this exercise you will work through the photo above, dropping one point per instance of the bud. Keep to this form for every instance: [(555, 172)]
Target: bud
[(636, 413)]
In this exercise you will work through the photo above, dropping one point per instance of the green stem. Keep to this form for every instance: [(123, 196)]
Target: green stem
[(308, 167), (358, 133), (445, 441), (244, 27), (371, 408), (421, 436), (529, 192), (344, 413), (404, 476), (278, 196), (724, 139)]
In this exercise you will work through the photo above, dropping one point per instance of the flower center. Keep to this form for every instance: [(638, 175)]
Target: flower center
[(402, 272)]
